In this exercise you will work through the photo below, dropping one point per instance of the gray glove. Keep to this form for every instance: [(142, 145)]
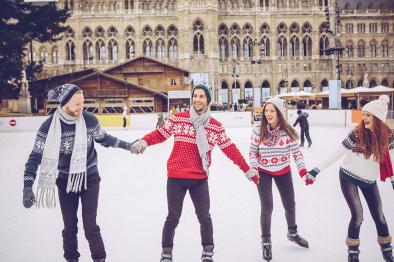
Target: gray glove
[(28, 197), (139, 146)]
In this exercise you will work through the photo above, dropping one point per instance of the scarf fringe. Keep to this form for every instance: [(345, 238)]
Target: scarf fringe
[(46, 197), (75, 182)]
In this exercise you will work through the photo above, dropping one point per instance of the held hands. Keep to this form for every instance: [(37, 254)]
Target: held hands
[(138, 146), (310, 177), (28, 197), (253, 175)]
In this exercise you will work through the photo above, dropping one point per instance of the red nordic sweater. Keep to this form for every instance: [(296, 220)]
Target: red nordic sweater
[(185, 161)]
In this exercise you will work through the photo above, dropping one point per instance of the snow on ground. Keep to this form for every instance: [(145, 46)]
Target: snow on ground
[(132, 208)]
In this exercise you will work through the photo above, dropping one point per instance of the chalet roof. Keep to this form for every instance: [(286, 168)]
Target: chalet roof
[(147, 58), (121, 81), (83, 71)]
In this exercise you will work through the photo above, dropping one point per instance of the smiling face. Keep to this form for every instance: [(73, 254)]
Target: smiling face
[(200, 101), (75, 105), (271, 115), (368, 120)]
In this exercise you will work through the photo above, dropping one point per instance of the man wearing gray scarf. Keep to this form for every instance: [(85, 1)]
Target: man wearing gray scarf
[(64, 149), (195, 135)]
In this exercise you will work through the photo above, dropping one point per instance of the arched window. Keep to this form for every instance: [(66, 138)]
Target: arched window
[(307, 46), (112, 32), (198, 38), (113, 50), (129, 32), (44, 55), (87, 32), (223, 48), (385, 82), (247, 48), (373, 49), (130, 48), (324, 85), (147, 46), (70, 50), (159, 31), (308, 86), (385, 49), (294, 46), (160, 49), (265, 47), (349, 84), (99, 32), (147, 31), (235, 46), (373, 83), (101, 54), (55, 55), (324, 44), (172, 48), (281, 46), (349, 49), (361, 49), (172, 31), (88, 51)]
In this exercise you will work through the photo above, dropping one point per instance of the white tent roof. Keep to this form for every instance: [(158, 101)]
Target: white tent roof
[(296, 94)]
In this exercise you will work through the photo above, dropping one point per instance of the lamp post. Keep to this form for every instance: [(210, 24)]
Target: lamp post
[(255, 61), (234, 75)]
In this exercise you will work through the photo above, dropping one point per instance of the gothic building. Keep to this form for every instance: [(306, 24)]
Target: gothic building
[(275, 45)]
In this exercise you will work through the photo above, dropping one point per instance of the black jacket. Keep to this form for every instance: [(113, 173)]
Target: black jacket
[(302, 120)]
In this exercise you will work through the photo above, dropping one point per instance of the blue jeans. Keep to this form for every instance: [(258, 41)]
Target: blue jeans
[(372, 197)]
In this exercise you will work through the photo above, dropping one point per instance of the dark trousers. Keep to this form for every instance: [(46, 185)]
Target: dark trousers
[(69, 205), (372, 197), (124, 122), (199, 193), (284, 183), (305, 132)]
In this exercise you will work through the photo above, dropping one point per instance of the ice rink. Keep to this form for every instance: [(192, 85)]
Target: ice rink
[(132, 208)]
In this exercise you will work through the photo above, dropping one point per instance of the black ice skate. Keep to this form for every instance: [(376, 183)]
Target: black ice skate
[(353, 253), (267, 251), (387, 252), (207, 254), (309, 144), (166, 255), (72, 260), (99, 260), (294, 237), (301, 145)]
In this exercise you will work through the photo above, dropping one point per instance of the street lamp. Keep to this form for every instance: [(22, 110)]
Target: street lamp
[(234, 75), (256, 60)]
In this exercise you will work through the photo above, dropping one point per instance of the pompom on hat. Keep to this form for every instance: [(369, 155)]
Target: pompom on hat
[(378, 107), (278, 103), (62, 94)]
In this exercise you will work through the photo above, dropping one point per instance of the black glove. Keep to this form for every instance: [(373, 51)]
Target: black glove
[(28, 197)]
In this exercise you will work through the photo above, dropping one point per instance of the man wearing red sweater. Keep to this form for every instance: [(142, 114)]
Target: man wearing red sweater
[(195, 134)]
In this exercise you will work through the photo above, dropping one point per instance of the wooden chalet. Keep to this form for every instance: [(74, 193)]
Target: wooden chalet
[(141, 83)]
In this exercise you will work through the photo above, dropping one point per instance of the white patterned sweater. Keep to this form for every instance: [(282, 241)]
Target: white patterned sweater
[(274, 158), (354, 167)]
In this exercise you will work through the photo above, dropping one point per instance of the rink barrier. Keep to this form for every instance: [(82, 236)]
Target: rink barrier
[(228, 119)]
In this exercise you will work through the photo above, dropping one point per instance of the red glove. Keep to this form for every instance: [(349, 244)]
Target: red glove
[(255, 179)]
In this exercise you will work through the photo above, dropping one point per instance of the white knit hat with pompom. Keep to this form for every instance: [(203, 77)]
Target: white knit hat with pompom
[(378, 107)]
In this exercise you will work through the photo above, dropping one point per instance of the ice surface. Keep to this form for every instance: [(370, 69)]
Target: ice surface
[(132, 208)]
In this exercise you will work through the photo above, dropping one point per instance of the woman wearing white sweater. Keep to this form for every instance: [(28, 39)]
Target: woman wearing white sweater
[(273, 144), (368, 150)]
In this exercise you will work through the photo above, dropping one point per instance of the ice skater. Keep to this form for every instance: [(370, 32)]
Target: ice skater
[(368, 150), (64, 147), (302, 119), (272, 144), (195, 134), (124, 116)]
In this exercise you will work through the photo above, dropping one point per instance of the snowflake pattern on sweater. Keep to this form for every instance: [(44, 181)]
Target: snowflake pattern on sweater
[(94, 133), (185, 161), (354, 167), (275, 159)]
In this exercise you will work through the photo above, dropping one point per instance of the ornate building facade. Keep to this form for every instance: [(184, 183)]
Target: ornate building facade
[(274, 45)]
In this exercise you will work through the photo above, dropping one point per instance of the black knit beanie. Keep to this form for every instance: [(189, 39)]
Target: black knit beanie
[(206, 91), (62, 94)]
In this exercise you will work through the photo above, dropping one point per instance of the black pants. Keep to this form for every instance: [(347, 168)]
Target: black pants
[(285, 186), (199, 193), (69, 206), (372, 197), (124, 122), (305, 132)]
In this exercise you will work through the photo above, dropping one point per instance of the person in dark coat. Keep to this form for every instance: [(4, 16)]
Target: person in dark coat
[(303, 121)]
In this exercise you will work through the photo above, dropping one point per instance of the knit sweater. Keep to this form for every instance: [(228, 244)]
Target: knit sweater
[(185, 161), (354, 167), (275, 159), (94, 133)]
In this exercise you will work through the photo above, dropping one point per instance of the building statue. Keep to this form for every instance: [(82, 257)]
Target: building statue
[(366, 80)]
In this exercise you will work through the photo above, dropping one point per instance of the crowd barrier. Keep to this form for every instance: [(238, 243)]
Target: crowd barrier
[(228, 119)]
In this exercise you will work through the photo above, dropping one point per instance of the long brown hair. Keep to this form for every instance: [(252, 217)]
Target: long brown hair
[(372, 142), (281, 122)]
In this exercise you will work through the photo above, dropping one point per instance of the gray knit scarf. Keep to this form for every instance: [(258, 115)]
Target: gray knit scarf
[(50, 159), (199, 122)]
